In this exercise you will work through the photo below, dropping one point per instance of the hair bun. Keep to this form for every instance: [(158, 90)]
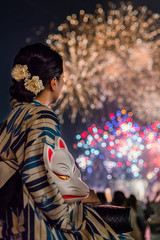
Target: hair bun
[(43, 63), (18, 91)]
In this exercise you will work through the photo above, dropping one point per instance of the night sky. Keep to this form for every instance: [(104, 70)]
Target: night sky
[(18, 20)]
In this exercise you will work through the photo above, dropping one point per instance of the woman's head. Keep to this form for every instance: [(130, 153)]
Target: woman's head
[(132, 201), (41, 64), (119, 198)]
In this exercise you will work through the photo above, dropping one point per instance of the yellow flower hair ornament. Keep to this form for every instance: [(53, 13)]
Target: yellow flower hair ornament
[(34, 84)]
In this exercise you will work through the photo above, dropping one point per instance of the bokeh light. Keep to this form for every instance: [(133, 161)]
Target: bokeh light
[(119, 149)]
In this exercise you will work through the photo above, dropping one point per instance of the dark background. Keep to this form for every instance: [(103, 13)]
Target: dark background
[(20, 19)]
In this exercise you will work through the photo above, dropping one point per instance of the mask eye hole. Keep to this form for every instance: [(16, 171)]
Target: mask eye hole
[(74, 168), (62, 177)]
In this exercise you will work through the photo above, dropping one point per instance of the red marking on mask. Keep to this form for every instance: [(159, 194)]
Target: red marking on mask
[(50, 153), (61, 144), (73, 196)]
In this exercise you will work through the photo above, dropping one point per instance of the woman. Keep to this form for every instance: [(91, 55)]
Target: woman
[(35, 209)]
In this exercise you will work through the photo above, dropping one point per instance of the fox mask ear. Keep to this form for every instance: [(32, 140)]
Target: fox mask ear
[(49, 151), (49, 154), (60, 144)]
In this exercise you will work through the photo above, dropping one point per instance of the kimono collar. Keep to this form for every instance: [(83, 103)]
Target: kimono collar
[(36, 102), (15, 103)]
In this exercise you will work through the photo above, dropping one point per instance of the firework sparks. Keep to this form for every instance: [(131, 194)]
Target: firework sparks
[(110, 57), (119, 149)]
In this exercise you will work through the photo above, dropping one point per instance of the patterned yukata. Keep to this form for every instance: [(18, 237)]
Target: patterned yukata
[(42, 213)]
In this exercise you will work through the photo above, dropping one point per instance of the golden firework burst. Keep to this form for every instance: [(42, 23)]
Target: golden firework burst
[(110, 56)]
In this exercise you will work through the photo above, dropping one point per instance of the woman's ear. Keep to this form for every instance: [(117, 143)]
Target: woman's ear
[(53, 83)]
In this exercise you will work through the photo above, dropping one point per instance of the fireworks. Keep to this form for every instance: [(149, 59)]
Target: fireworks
[(119, 149), (111, 56), (82, 92)]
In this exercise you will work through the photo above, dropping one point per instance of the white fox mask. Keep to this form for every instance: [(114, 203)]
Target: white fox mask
[(61, 166)]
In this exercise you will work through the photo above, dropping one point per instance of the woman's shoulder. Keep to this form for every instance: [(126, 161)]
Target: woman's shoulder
[(40, 112), (33, 108), (31, 112)]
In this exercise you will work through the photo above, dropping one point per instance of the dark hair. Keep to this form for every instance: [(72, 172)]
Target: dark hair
[(101, 197), (118, 198), (132, 201), (41, 61)]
